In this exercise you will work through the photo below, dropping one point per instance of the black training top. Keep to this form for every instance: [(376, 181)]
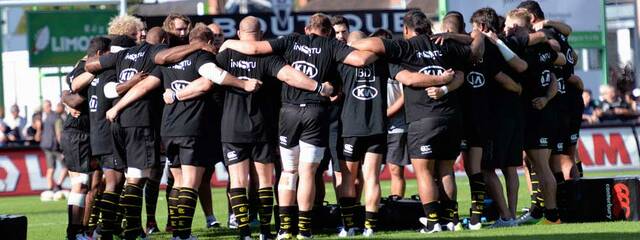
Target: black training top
[(507, 103), (569, 96), (364, 111), (479, 79), (190, 117), (100, 135), (313, 55), (537, 78), (81, 123), (143, 112), (422, 55), (245, 116)]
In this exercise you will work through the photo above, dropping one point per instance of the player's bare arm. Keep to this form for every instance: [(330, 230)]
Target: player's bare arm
[(440, 38), (372, 44), (219, 76), (537, 37), (81, 81), (247, 47), (396, 106), (194, 89), (576, 81), (507, 83), (73, 100), (561, 60), (420, 80), (541, 102), (297, 79), (439, 92), (559, 26), (359, 58), (177, 53), (477, 45), (514, 61), (134, 94)]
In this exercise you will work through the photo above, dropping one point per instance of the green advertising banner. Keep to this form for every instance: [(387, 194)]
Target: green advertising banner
[(60, 38)]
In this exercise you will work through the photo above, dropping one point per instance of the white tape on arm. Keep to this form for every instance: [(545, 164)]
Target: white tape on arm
[(110, 90), (506, 52), (212, 72)]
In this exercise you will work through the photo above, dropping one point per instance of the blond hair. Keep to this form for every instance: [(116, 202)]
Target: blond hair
[(168, 25), (521, 13), (122, 25)]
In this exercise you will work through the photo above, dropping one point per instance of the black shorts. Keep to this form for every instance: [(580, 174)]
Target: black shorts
[(138, 147), (333, 153), (435, 138), (308, 123), (261, 152), (110, 161), (397, 153), (76, 149), (355, 148), (539, 128), (476, 129), (562, 141), (191, 151), (506, 144)]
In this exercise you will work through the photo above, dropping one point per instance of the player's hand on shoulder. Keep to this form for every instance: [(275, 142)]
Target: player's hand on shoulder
[(252, 85), (208, 48), (169, 96), (539, 25), (448, 75), (440, 38), (112, 114), (73, 112), (139, 76), (492, 36)]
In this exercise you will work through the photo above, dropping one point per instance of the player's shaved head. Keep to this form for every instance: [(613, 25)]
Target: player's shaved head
[(156, 35), (319, 24), (250, 24), (356, 35)]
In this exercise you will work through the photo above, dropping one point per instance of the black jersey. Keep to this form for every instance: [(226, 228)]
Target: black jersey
[(420, 54), (313, 55), (537, 78), (246, 116), (143, 112), (479, 79), (100, 134), (568, 94), (505, 102), (190, 117), (364, 111), (81, 123)]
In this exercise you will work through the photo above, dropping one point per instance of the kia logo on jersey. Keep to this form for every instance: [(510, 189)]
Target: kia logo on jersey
[(545, 78), (432, 70), (364, 92), (178, 85), (127, 74), (307, 68), (93, 103), (475, 79)]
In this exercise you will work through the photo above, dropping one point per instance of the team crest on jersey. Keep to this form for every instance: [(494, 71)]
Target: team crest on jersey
[(348, 148), (432, 70), (127, 74), (475, 79), (178, 85), (95, 82), (545, 78), (364, 92), (93, 103), (307, 68), (425, 149), (561, 86)]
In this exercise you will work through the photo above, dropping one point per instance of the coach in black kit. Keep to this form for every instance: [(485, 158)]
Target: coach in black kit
[(303, 117), (434, 124)]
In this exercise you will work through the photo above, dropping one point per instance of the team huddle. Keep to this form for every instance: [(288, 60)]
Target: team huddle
[(277, 112)]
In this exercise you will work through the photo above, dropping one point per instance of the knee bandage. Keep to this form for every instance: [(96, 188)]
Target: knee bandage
[(76, 199), (290, 158), (137, 173), (310, 153), (81, 178), (288, 181)]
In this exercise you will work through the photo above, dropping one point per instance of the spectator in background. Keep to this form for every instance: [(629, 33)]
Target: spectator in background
[(590, 106), (613, 107), (14, 125), (30, 134), (49, 135)]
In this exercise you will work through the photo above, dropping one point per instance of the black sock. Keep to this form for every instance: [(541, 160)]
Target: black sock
[(266, 209), (151, 190), (478, 191), (551, 214), (132, 203), (537, 201), (431, 211), (370, 220), (347, 206), (559, 176), (187, 201), (287, 215), (240, 207), (304, 223), (95, 212), (450, 210), (73, 213), (108, 212), (168, 190), (173, 209)]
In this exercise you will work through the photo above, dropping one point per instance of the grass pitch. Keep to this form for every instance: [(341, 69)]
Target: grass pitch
[(47, 220)]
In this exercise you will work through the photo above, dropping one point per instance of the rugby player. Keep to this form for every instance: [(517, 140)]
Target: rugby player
[(303, 118), (436, 113)]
